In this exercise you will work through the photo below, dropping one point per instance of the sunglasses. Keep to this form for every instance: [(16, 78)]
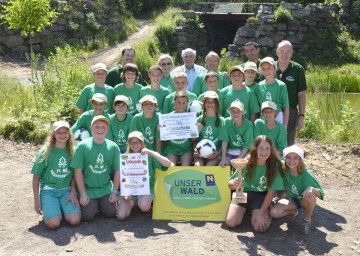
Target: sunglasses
[(164, 64)]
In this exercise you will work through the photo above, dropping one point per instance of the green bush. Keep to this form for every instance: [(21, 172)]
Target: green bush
[(313, 127), (282, 15)]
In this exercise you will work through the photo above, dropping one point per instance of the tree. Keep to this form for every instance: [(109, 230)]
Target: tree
[(29, 16)]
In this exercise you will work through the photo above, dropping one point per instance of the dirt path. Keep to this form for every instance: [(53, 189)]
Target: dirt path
[(16, 66), (336, 222)]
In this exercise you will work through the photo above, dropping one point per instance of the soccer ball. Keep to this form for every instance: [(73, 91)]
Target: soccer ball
[(206, 148), (138, 107), (81, 134), (195, 106)]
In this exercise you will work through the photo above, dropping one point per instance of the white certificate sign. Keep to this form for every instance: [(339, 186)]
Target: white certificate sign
[(178, 126), (134, 174)]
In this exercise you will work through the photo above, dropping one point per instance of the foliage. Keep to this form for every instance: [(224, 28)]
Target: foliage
[(30, 16), (345, 78), (313, 128), (282, 15)]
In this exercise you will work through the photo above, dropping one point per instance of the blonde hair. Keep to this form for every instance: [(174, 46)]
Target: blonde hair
[(300, 169), (212, 54), (180, 74), (129, 150), (50, 144), (165, 56)]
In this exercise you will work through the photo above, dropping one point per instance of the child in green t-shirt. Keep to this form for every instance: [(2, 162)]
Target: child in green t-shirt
[(136, 145), (155, 89), (261, 179), (301, 187), (250, 74), (120, 122), (129, 87), (99, 103), (99, 86), (53, 176), (267, 125), (236, 136), (211, 81), (211, 124), (95, 159), (272, 89), (179, 149)]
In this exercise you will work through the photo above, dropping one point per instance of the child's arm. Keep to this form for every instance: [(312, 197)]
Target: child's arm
[(72, 197), (309, 191), (35, 186), (84, 199), (162, 159), (224, 145), (243, 153), (114, 195)]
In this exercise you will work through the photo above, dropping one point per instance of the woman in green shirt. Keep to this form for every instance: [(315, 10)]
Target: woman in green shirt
[(261, 181)]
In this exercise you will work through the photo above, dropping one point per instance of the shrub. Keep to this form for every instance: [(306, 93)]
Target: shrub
[(282, 15), (313, 127)]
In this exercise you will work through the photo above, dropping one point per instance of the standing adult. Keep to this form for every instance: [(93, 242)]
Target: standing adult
[(212, 62), (166, 63), (293, 75), (114, 76), (252, 52), (191, 69)]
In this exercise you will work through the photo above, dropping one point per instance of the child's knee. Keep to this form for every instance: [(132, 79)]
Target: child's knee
[(53, 223)]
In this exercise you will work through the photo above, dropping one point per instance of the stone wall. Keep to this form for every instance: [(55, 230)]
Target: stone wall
[(305, 31), (73, 25)]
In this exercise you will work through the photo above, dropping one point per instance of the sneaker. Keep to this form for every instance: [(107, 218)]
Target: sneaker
[(307, 227)]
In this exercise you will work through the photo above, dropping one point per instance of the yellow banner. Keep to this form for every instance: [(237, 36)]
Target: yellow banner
[(192, 193)]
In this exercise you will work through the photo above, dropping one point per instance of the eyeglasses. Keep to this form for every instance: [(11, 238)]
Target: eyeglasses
[(167, 63), (134, 142)]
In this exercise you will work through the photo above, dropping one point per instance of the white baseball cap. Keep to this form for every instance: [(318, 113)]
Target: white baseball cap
[(59, 124), (294, 149)]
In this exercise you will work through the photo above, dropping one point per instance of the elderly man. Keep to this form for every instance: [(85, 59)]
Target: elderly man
[(114, 75), (190, 68), (293, 75)]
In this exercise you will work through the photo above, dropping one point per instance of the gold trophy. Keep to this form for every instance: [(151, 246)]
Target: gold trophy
[(239, 196)]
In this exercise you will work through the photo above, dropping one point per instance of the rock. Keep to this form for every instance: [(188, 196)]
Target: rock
[(326, 156), (11, 41), (245, 32), (266, 41)]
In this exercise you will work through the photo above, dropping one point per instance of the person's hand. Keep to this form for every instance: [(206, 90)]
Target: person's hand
[(259, 222), (73, 199), (84, 200), (236, 183), (223, 163), (300, 123), (128, 198), (199, 126), (37, 206), (309, 192), (113, 198), (145, 151), (196, 153), (225, 74)]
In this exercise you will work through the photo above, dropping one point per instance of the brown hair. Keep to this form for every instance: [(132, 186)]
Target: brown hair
[(130, 67), (155, 67), (179, 94), (272, 163), (127, 48), (217, 105), (211, 74), (301, 168)]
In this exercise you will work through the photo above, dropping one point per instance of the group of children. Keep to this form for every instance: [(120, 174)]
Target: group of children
[(125, 119)]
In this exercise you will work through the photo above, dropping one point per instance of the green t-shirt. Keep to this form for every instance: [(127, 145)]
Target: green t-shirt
[(119, 130), (258, 181), (158, 94), (238, 138), (88, 92), (253, 88), (275, 92), (259, 76), (113, 77), (54, 171), (84, 121), (167, 83), (201, 87), (294, 78), (296, 185), (210, 131), (97, 161), (245, 95), (148, 127), (133, 94), (169, 105), (277, 135)]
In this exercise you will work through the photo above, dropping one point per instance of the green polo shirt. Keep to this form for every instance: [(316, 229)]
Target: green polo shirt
[(201, 87), (114, 77)]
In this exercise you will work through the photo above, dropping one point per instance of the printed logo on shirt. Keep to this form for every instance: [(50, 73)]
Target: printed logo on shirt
[(62, 170), (290, 79), (99, 167), (239, 142), (150, 137), (262, 184), (268, 96), (131, 108), (209, 131), (294, 190)]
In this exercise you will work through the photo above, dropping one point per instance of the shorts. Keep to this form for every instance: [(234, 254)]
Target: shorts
[(254, 199), (231, 157), (53, 203), (294, 201)]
